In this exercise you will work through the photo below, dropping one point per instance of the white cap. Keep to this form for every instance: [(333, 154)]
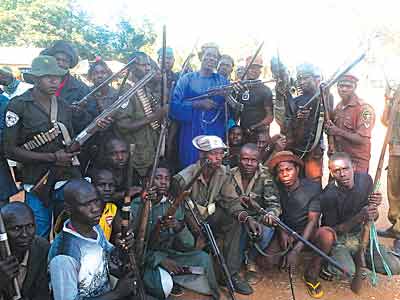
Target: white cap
[(208, 142)]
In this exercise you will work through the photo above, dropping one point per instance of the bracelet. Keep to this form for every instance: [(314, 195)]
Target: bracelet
[(242, 219), (247, 218)]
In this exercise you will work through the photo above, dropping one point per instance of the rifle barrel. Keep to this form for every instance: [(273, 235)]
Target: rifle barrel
[(252, 61), (4, 241), (329, 84), (297, 236), (105, 82)]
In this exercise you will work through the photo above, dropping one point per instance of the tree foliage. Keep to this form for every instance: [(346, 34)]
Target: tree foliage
[(37, 23)]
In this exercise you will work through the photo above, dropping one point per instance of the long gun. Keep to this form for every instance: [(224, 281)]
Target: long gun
[(208, 234), (333, 81), (327, 115), (297, 236), (85, 99), (43, 187), (5, 251), (155, 234), (227, 89), (252, 61), (231, 100), (361, 265), (129, 254), (141, 243), (164, 87)]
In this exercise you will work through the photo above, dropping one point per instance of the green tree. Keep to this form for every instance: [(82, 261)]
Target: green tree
[(40, 22)]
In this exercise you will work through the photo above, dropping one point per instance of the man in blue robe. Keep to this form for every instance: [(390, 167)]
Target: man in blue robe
[(200, 117)]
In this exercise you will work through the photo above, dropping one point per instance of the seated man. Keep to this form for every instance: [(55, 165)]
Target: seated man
[(78, 257), (268, 146), (110, 220), (251, 181), (346, 203), (235, 139), (29, 255), (174, 249), (300, 208), (115, 157), (204, 194)]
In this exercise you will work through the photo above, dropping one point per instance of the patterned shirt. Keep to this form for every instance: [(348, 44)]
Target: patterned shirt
[(78, 265), (261, 188)]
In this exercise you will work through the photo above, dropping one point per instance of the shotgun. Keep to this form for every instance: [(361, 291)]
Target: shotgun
[(155, 234), (361, 265), (44, 185)]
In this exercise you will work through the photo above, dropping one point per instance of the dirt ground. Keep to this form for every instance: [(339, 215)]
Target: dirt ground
[(275, 285)]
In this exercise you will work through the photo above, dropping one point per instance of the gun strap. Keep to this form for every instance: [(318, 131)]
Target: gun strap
[(64, 131)]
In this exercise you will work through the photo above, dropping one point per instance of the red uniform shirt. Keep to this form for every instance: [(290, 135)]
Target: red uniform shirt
[(355, 117)]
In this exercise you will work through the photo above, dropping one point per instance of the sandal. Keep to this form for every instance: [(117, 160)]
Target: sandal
[(325, 274), (314, 289)]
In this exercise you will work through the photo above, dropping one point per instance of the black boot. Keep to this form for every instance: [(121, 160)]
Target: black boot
[(241, 286)]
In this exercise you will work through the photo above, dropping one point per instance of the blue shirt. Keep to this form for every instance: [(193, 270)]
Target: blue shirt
[(193, 121), (78, 265)]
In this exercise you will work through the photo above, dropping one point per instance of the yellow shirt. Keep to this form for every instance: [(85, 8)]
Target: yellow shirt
[(109, 212)]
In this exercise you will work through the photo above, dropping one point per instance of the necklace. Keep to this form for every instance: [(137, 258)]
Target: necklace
[(212, 121)]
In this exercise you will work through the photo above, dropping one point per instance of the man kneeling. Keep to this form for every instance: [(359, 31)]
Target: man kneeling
[(346, 203)]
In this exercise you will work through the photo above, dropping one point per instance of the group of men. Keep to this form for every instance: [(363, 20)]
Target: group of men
[(221, 167)]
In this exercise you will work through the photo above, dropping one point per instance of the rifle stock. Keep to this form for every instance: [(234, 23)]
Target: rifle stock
[(155, 234), (361, 266), (130, 259)]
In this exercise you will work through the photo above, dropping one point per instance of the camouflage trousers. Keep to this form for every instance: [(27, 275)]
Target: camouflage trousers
[(345, 249)]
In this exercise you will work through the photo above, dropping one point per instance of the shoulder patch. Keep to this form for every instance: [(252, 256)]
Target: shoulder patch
[(11, 118), (366, 116)]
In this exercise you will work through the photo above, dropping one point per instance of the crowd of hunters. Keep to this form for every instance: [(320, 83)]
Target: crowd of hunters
[(201, 137)]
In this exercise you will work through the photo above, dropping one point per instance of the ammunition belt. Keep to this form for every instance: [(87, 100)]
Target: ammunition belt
[(148, 106), (43, 138)]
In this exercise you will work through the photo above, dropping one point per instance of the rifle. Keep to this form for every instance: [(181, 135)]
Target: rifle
[(361, 265), (231, 100), (323, 88), (283, 88), (205, 228), (164, 84), (105, 82), (141, 243), (252, 61), (333, 80), (327, 116), (155, 234), (44, 185), (129, 254), (227, 89), (297, 236), (5, 251)]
